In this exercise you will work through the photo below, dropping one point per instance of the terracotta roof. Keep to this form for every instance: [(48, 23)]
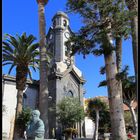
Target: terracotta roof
[(134, 106)]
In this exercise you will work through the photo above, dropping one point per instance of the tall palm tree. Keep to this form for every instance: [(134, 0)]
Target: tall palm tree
[(128, 92), (22, 53), (132, 5), (43, 94), (129, 97), (96, 104)]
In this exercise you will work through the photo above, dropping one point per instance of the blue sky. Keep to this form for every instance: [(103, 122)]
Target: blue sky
[(20, 16)]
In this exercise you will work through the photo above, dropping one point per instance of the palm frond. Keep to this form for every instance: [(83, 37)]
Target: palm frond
[(5, 57), (8, 53), (30, 74), (35, 54), (23, 37), (32, 48), (30, 39), (132, 78), (12, 41), (34, 64), (7, 46), (102, 70), (103, 83), (97, 52), (34, 68), (12, 66), (15, 50), (34, 60), (6, 63)]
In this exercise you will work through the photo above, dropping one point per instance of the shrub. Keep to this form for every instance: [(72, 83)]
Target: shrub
[(69, 111), (23, 119)]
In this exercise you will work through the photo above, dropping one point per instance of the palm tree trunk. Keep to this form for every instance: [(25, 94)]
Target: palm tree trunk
[(119, 59), (17, 133), (119, 53), (133, 114), (134, 26), (133, 6), (43, 94), (134, 118), (21, 78), (19, 102), (95, 136), (115, 99)]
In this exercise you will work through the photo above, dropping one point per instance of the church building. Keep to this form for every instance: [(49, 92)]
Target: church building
[(65, 79)]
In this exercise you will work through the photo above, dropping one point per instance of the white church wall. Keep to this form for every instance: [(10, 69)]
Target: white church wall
[(10, 100), (89, 128)]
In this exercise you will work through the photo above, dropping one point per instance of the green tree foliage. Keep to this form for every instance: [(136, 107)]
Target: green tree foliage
[(97, 110), (132, 5), (20, 52), (128, 120), (97, 17), (104, 120), (23, 119), (128, 92), (69, 111), (129, 97), (128, 86), (104, 22)]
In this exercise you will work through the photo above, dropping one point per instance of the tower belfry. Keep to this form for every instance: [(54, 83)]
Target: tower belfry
[(64, 78), (56, 38)]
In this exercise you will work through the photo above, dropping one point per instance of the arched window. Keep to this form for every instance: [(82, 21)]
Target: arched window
[(69, 94), (64, 23)]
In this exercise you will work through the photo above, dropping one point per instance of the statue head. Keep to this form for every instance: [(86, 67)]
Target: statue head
[(35, 115)]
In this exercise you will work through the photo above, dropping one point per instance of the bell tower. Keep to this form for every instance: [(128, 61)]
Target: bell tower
[(64, 78), (56, 38)]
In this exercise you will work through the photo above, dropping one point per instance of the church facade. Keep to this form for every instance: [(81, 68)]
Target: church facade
[(65, 79)]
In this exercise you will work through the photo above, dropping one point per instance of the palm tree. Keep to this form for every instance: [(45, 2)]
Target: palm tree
[(129, 97), (132, 5), (43, 94), (128, 92), (96, 104), (22, 53)]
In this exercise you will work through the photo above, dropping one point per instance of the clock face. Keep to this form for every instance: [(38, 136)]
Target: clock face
[(67, 34)]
